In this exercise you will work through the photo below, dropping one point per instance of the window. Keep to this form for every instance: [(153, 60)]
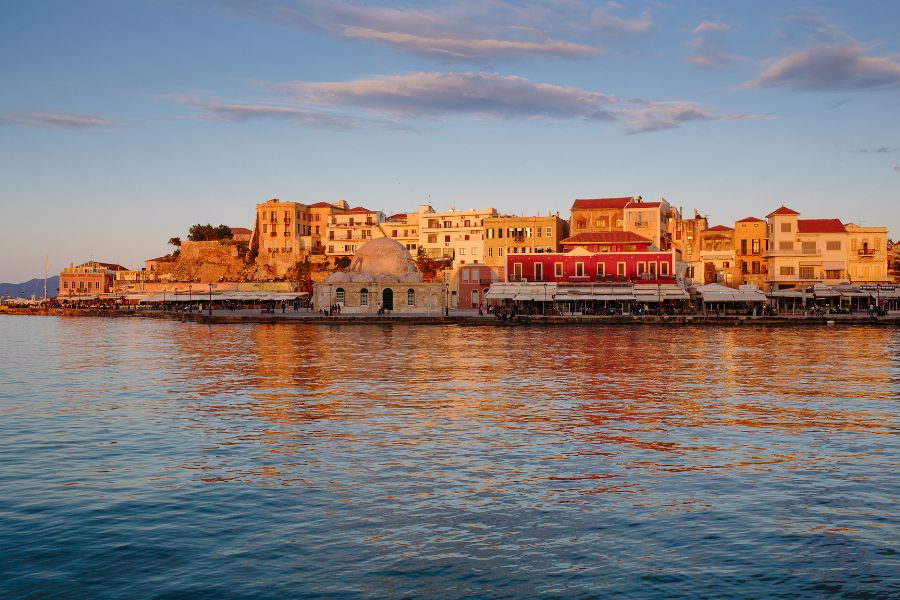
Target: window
[(579, 269), (785, 245), (499, 251), (265, 228), (432, 238), (641, 268), (785, 228), (539, 232), (517, 272), (652, 266), (364, 297), (787, 270), (558, 269), (446, 239), (393, 233), (538, 271), (331, 249), (580, 224), (601, 269), (462, 251), (490, 251), (743, 246), (474, 251), (339, 296), (807, 272), (809, 247), (549, 232), (755, 246), (754, 268), (410, 297), (835, 245), (620, 269), (663, 269)]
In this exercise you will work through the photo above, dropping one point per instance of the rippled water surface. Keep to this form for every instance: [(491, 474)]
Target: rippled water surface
[(143, 458)]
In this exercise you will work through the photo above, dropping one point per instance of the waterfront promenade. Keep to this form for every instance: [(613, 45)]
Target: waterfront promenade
[(469, 317)]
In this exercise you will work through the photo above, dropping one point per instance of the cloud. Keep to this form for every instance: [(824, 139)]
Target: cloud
[(469, 49), (878, 150), (417, 95), (830, 68), (895, 167), (468, 31), (709, 45), (56, 121), (240, 112)]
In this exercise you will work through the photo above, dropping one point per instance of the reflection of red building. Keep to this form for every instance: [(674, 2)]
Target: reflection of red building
[(583, 266), (473, 283)]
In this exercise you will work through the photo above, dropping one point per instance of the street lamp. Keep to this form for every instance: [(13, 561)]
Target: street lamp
[(190, 300), (545, 300), (210, 299)]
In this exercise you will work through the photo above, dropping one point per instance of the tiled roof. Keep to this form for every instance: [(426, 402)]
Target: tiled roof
[(602, 202), (397, 217), (243, 230), (112, 266), (359, 209), (644, 205), (322, 205), (783, 210), (751, 220), (720, 228), (820, 226), (606, 237)]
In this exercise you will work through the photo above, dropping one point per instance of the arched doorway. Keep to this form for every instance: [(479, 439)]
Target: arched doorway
[(387, 299), (474, 298)]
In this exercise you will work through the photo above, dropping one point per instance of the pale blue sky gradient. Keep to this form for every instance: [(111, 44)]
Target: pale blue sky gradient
[(124, 122)]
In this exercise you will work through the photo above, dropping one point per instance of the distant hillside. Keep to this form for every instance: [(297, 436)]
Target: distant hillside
[(35, 287)]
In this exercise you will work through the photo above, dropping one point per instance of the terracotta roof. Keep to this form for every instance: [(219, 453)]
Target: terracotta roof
[(719, 228), (112, 266), (782, 211), (820, 226), (398, 217), (243, 230), (167, 257), (602, 202), (322, 205), (644, 205), (359, 209), (751, 220), (606, 237)]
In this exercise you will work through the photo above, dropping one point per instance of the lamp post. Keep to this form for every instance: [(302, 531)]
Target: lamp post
[(545, 300), (190, 300), (210, 299)]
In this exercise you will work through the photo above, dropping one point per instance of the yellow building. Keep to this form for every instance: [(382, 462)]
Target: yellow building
[(804, 252), (453, 234), (510, 234), (718, 257), (282, 228), (868, 257), (320, 215), (351, 228), (685, 238), (750, 245)]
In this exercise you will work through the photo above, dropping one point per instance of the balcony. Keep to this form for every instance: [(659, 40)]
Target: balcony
[(865, 253)]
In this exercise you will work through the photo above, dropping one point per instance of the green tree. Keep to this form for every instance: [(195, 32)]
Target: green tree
[(175, 241), (208, 233)]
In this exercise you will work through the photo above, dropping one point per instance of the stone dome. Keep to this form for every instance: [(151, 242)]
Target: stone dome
[(383, 260)]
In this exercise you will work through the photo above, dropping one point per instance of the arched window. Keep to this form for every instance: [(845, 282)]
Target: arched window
[(410, 297), (364, 297), (339, 296)]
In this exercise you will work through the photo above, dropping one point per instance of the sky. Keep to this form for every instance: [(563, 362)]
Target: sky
[(124, 122)]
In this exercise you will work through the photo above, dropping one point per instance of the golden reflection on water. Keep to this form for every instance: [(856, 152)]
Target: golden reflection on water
[(629, 393)]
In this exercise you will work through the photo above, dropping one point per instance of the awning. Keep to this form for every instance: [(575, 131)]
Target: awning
[(521, 291), (567, 297), (833, 266), (714, 292)]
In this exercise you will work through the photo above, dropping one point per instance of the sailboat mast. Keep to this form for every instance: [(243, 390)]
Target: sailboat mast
[(46, 257)]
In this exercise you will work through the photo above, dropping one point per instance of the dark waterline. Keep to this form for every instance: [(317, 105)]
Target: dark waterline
[(143, 458)]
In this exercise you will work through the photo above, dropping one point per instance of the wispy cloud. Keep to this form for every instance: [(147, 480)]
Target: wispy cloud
[(55, 121), (305, 117), (469, 49), (878, 150), (830, 68), (468, 31), (417, 95), (709, 45), (830, 59)]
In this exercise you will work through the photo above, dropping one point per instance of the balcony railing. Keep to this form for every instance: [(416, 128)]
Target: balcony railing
[(866, 252)]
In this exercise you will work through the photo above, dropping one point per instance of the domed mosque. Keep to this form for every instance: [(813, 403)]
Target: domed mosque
[(382, 274)]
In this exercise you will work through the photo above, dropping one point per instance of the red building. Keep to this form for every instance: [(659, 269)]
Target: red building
[(88, 279), (583, 266), (473, 283)]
